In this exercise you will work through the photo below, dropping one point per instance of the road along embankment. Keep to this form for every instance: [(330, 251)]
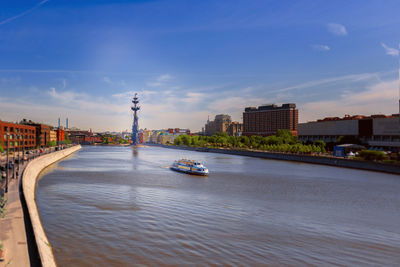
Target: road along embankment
[(29, 181), (331, 161)]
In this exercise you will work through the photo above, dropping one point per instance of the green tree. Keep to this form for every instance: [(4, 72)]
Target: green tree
[(66, 139), (321, 144), (244, 140), (373, 155), (1, 149), (52, 144), (186, 140)]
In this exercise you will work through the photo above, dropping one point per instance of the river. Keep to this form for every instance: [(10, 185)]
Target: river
[(122, 206)]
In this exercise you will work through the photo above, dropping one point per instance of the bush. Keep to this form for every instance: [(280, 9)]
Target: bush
[(3, 202), (52, 143), (372, 155)]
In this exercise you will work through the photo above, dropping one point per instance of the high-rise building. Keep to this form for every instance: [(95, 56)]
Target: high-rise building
[(219, 125), (266, 120)]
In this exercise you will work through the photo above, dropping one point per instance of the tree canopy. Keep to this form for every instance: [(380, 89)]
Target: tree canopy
[(284, 141)]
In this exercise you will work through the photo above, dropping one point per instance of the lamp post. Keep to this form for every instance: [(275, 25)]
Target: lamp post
[(7, 173), (19, 154), (14, 169), (23, 149)]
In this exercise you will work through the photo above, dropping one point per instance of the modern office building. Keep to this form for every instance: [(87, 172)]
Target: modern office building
[(267, 119), (18, 136), (376, 130)]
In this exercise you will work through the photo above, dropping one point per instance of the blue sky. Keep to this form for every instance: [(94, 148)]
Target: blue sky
[(190, 59)]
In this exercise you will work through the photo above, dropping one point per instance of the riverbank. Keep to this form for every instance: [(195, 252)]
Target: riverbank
[(29, 180), (331, 161)]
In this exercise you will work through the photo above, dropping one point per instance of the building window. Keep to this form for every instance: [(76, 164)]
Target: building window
[(5, 128)]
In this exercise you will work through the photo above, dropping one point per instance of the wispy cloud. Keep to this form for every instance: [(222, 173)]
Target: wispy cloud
[(377, 98), (337, 29), (107, 80), (390, 51), (320, 47), (24, 13), (333, 80), (160, 80)]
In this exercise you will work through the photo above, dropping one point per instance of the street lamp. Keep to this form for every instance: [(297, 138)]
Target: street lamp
[(7, 175), (19, 154), (23, 148), (14, 156)]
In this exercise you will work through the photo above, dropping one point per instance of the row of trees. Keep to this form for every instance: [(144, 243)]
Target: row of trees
[(112, 139), (283, 141)]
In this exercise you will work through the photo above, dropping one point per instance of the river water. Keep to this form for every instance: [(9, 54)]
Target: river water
[(120, 206)]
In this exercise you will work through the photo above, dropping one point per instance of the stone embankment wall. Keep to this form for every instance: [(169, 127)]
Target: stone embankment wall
[(332, 161), (29, 180)]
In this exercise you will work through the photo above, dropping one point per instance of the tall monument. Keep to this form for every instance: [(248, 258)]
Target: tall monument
[(135, 126)]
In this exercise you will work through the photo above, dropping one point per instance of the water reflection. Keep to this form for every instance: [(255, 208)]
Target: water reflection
[(122, 206)]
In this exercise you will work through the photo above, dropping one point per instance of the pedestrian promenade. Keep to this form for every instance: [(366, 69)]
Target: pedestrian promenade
[(13, 233), (12, 228)]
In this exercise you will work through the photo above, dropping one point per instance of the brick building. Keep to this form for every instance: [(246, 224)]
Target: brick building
[(266, 120), (20, 136), (60, 136), (42, 132)]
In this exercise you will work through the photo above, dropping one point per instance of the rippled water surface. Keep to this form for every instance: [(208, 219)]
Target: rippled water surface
[(119, 206)]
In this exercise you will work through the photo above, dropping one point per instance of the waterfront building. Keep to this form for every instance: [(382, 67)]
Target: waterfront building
[(219, 125), (60, 135), (375, 130), (53, 136), (84, 137), (146, 134), (19, 136), (268, 119), (235, 129), (42, 132)]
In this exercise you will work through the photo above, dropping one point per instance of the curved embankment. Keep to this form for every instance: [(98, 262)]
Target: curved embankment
[(29, 179)]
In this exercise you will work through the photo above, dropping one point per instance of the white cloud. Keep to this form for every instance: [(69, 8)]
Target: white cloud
[(129, 94), (107, 80), (337, 29), (390, 51), (164, 78), (345, 78), (160, 80), (378, 98), (320, 47)]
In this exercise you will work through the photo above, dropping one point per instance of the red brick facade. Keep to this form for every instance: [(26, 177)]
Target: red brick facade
[(60, 136), (19, 135), (266, 120)]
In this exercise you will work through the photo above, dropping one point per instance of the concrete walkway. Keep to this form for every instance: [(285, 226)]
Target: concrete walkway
[(12, 228)]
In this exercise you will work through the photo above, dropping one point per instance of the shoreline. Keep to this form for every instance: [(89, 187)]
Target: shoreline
[(311, 159), (29, 183)]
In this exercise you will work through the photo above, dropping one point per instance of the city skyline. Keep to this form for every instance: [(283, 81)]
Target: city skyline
[(187, 61)]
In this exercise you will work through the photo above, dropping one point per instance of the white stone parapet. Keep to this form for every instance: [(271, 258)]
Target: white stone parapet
[(29, 181)]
